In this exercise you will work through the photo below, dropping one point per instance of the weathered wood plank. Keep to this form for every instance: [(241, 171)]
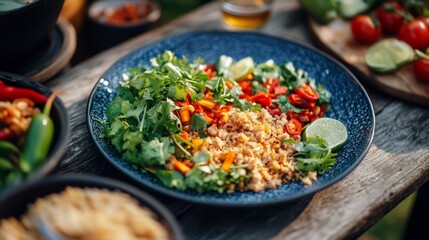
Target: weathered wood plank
[(242, 223), (394, 167)]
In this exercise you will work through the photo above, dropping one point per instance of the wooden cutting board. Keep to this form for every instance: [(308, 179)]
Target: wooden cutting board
[(338, 40)]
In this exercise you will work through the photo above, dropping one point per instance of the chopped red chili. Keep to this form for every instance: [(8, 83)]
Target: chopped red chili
[(306, 92), (293, 127), (295, 99)]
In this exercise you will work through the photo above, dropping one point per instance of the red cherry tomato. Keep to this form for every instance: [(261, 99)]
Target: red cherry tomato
[(293, 127), (425, 20), (390, 21), (415, 33), (365, 29), (307, 92), (295, 99), (421, 70)]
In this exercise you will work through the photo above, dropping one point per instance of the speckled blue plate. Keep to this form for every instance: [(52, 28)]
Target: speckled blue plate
[(350, 105)]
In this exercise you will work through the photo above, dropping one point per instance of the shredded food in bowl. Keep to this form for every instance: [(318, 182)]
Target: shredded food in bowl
[(16, 116), (89, 213)]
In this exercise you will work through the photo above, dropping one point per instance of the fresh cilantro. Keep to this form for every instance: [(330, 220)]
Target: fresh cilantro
[(290, 141), (176, 92), (243, 104), (285, 105), (201, 157), (314, 155), (324, 95), (156, 152), (160, 120), (266, 70), (114, 109), (131, 140), (292, 77), (256, 87), (198, 123), (172, 179), (222, 94), (194, 179), (216, 179)]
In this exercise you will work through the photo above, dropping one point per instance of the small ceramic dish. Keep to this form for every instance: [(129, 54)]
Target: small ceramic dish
[(16, 202), (23, 29), (61, 125), (105, 30)]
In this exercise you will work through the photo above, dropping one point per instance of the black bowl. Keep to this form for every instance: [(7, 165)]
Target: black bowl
[(16, 202), (59, 116), (24, 28), (103, 35)]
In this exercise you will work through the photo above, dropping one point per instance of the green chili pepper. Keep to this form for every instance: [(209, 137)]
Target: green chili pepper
[(7, 148), (5, 164), (39, 139)]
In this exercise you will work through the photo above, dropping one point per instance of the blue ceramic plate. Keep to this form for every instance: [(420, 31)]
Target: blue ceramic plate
[(350, 105)]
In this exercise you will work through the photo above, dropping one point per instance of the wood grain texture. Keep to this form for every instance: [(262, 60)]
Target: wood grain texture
[(396, 165), (337, 38)]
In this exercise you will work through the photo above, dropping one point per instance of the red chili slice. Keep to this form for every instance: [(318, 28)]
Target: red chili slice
[(308, 105), (262, 98), (280, 90), (293, 127), (271, 84), (307, 93), (210, 68), (291, 114), (274, 111), (295, 99), (246, 86)]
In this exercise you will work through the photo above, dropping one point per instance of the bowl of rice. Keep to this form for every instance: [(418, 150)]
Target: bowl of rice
[(83, 207)]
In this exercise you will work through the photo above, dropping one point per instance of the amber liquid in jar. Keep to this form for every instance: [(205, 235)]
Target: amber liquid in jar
[(245, 13)]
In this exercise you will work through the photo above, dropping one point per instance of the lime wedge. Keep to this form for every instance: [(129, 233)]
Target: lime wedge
[(388, 55), (241, 69), (331, 130)]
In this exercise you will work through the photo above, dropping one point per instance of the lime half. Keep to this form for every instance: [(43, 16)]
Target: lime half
[(388, 55), (331, 130), (241, 69)]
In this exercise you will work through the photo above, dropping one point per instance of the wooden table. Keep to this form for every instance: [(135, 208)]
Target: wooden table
[(395, 166)]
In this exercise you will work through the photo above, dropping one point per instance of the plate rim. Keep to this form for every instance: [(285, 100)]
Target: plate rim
[(182, 195)]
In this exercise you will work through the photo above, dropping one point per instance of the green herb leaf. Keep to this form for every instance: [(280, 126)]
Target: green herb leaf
[(172, 179), (314, 155), (201, 157), (266, 70), (285, 105), (157, 152), (324, 95), (198, 123)]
